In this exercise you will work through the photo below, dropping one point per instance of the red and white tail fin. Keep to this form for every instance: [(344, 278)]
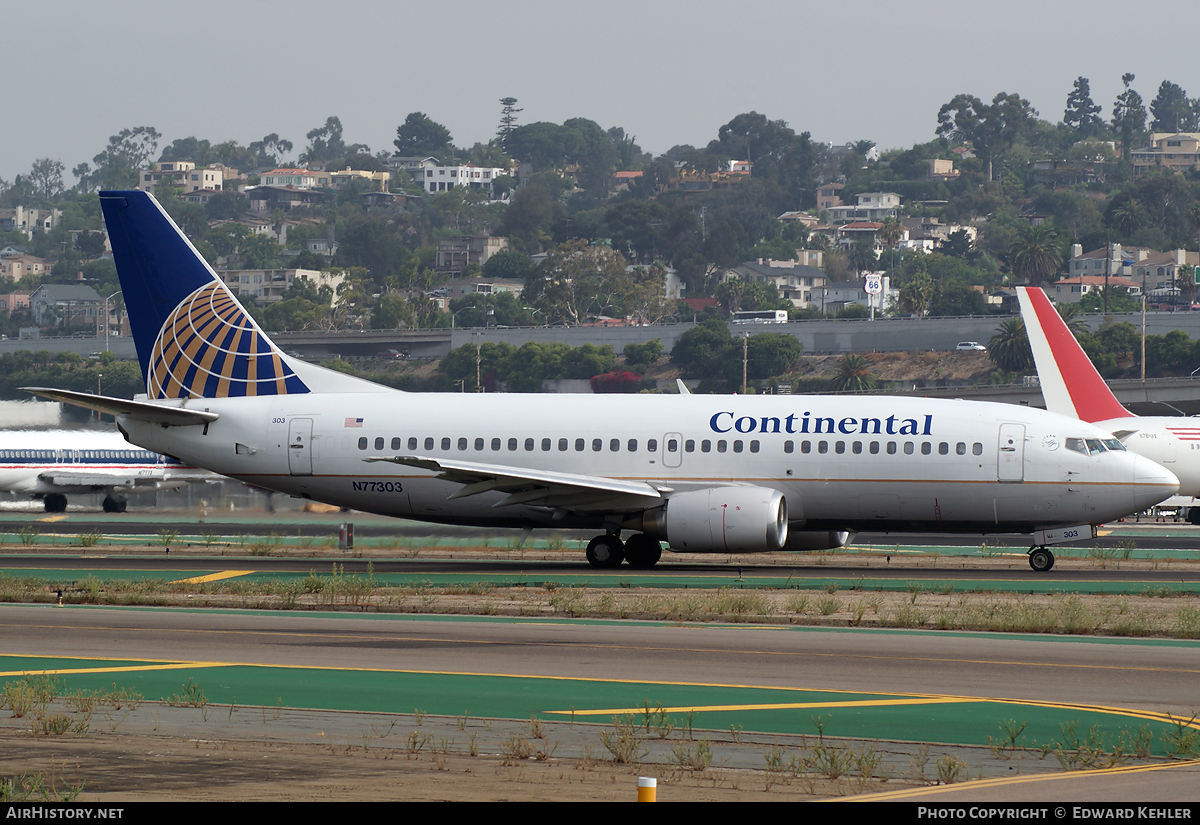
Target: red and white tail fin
[(1070, 384)]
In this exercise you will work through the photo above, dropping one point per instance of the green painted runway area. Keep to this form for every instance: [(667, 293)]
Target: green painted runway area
[(243, 571), (769, 711)]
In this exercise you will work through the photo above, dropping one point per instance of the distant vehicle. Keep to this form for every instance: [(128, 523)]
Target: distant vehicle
[(391, 354), (970, 346), (768, 316)]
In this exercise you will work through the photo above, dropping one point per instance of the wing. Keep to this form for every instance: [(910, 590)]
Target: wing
[(537, 487), (166, 413)]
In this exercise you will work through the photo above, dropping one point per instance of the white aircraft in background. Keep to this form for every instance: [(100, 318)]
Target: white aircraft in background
[(716, 474), (50, 464), (1071, 386)]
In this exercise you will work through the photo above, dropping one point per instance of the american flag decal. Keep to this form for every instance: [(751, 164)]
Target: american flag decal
[(1186, 433), (354, 422)]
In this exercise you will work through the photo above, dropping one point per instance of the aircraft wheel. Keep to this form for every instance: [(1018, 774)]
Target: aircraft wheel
[(54, 503), (109, 505), (642, 552), (1041, 559), (605, 552)]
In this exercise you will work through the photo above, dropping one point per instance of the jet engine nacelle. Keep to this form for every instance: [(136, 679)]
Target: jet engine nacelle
[(801, 540), (726, 520)]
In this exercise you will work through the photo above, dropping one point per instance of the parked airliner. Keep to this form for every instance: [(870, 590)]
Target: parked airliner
[(50, 464), (713, 474), (1071, 386)]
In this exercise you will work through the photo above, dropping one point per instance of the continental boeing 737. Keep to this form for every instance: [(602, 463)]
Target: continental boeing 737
[(705, 474), (1071, 386), (52, 464)]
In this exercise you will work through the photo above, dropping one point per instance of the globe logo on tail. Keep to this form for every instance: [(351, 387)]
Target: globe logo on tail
[(210, 348)]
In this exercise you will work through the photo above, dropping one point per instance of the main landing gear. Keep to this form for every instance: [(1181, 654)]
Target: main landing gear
[(54, 502), (112, 504), (607, 551), (1040, 559)]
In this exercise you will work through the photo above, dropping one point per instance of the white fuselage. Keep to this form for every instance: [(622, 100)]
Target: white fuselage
[(1172, 441), (867, 463), (39, 462)]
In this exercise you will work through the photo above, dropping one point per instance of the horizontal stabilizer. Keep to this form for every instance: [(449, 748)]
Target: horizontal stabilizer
[(164, 414)]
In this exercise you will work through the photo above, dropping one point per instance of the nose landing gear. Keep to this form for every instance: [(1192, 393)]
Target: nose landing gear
[(1040, 559)]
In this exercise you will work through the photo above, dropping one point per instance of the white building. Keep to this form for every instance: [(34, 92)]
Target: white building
[(871, 206), (184, 174), (445, 178)]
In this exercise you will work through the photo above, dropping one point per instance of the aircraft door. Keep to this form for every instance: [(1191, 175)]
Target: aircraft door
[(672, 450), (300, 446), (1011, 456)]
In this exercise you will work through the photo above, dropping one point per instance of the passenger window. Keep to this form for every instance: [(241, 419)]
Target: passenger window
[(652, 445), (545, 445), (614, 445), (788, 446), (961, 448), (529, 445), (445, 443), (496, 444), (977, 448), (631, 445), (462, 444), (874, 448), (891, 448), (412, 442), (926, 448), (856, 448), (379, 443), (396, 443), (362, 443), (689, 446), (737, 446), (908, 448), (562, 445), (478, 444), (512, 444), (943, 448), (579, 445), (722, 446), (597, 445), (839, 447), (822, 447), (805, 446), (706, 446), (429, 443), (754, 446)]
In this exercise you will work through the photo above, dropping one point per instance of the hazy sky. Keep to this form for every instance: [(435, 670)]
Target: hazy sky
[(668, 72)]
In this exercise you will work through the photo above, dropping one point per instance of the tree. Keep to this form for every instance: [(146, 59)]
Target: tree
[(46, 176), (989, 128), (421, 136), (641, 356), (1009, 347), (1081, 113), (853, 375), (1172, 110), (326, 144), (127, 152), (508, 117), (1129, 115), (703, 351), (1036, 255), (270, 151), (507, 264), (574, 280)]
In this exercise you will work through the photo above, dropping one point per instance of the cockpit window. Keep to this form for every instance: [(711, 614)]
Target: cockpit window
[(1114, 444), (1077, 445), (1095, 446)]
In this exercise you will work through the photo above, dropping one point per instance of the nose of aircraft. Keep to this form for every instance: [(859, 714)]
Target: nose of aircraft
[(1151, 483)]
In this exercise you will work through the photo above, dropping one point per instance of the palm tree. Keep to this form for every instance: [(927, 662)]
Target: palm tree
[(915, 294), (1186, 284), (1009, 348), (854, 375), (1036, 254), (1128, 217)]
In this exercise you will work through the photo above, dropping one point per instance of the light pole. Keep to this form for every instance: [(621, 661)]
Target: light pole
[(107, 317)]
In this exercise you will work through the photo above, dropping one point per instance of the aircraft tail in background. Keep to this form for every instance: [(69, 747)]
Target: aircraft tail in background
[(193, 338), (1070, 384)]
